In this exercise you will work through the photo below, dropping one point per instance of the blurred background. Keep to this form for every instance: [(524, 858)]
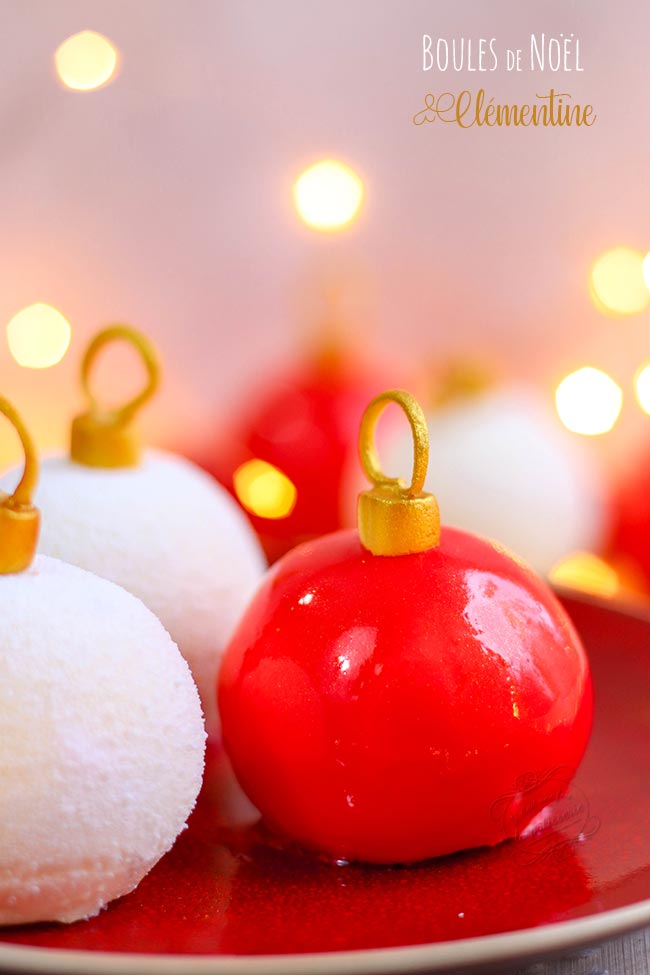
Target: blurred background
[(156, 175)]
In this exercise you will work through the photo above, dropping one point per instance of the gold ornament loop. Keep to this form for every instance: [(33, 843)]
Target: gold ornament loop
[(395, 518), (368, 448), (148, 354), (19, 518), (105, 437)]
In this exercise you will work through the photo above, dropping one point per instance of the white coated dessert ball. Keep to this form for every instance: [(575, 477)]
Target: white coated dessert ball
[(501, 465), (101, 743), (168, 533)]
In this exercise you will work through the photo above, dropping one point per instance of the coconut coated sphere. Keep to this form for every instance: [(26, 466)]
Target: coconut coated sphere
[(101, 743), (168, 533), (502, 466)]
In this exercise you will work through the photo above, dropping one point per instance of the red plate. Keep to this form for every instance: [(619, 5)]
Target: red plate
[(234, 903)]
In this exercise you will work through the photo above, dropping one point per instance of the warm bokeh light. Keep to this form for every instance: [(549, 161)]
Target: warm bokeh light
[(85, 61), (264, 490), (618, 285), (328, 195), (646, 269), (588, 401), (586, 572), (642, 387), (38, 336)]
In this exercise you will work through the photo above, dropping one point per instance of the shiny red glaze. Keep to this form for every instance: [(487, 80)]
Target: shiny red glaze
[(307, 426), (222, 892), (391, 709)]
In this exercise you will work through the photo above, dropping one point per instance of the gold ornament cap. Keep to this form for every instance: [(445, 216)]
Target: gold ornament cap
[(20, 521), (108, 437), (395, 518)]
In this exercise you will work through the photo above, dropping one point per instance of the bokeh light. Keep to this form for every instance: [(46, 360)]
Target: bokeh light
[(38, 336), (85, 61), (588, 401), (264, 490), (642, 387), (328, 195), (618, 285), (586, 572), (646, 269)]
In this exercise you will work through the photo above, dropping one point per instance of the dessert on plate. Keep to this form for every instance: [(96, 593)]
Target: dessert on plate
[(101, 732), (391, 693)]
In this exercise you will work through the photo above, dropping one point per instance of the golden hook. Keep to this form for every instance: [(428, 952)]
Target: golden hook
[(107, 438), (19, 519), (396, 518)]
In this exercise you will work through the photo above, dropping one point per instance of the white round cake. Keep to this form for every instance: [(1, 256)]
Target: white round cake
[(168, 533), (501, 465), (101, 743)]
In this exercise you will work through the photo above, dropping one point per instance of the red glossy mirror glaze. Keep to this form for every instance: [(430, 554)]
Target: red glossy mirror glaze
[(392, 709), (306, 427)]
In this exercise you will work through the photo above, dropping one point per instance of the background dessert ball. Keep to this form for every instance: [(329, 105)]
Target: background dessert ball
[(503, 466), (101, 743), (168, 533)]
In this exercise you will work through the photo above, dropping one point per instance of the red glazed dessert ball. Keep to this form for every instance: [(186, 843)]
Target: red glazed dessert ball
[(390, 695), (285, 464)]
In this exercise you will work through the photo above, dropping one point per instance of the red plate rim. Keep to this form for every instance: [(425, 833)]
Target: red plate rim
[(527, 944)]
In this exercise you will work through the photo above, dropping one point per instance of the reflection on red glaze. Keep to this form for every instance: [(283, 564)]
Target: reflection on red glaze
[(222, 890)]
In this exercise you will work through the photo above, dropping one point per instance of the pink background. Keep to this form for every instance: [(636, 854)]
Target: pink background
[(165, 198)]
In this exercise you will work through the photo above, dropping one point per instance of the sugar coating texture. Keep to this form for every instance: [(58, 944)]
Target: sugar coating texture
[(168, 533), (101, 743)]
